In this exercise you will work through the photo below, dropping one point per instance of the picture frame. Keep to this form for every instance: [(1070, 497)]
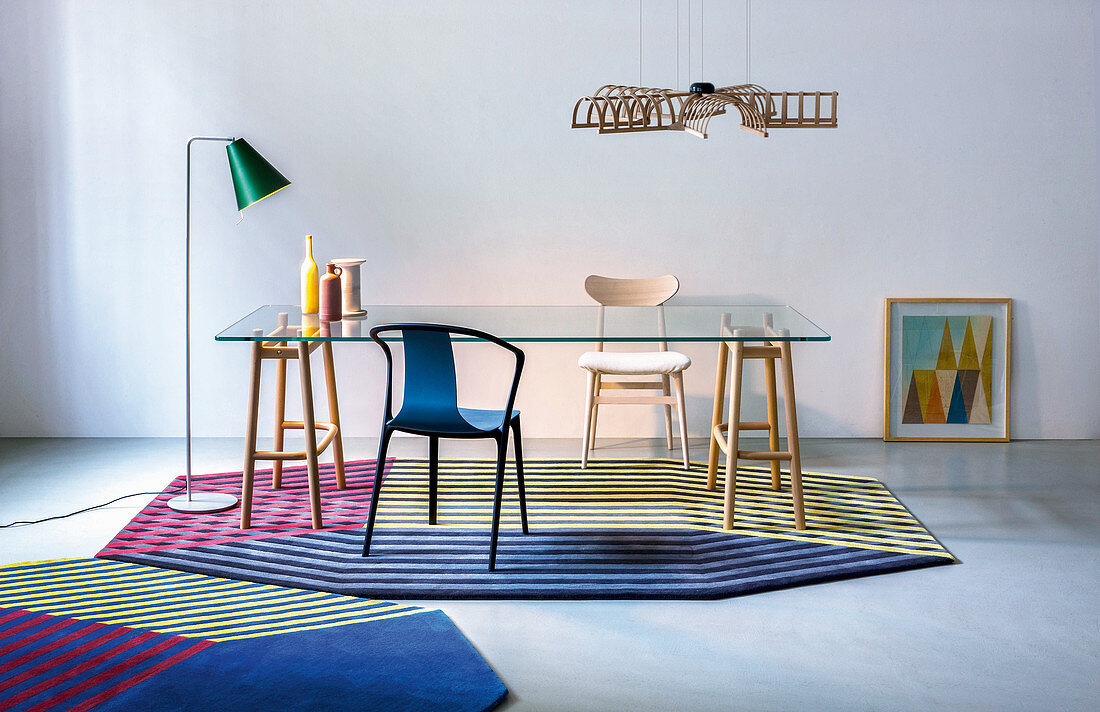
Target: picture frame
[(947, 365)]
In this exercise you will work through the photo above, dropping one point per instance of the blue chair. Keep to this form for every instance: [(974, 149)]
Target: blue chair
[(430, 407)]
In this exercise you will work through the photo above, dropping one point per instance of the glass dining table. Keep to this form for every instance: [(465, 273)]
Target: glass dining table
[(282, 333), (679, 323)]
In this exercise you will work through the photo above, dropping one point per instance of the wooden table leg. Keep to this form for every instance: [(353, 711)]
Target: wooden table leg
[(792, 435), (716, 416), (280, 416), (250, 437), (310, 429), (773, 417), (732, 434), (334, 416)]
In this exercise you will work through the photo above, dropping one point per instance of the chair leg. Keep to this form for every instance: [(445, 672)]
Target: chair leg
[(433, 476), (681, 409), (383, 443), (668, 411), (502, 456), (595, 411), (517, 441), (589, 395)]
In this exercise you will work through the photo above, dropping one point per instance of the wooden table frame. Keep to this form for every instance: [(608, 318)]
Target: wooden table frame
[(770, 351), (280, 352)]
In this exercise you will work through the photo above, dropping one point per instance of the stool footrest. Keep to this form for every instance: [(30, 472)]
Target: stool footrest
[(716, 435), (278, 455), (300, 425), (761, 352), (752, 425), (330, 432), (637, 385), (647, 400), (762, 455)]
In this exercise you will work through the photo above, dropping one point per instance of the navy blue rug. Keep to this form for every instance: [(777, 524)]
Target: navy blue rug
[(93, 634), (638, 529)]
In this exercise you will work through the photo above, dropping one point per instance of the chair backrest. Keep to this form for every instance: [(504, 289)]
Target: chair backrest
[(642, 292), (431, 381), (646, 292)]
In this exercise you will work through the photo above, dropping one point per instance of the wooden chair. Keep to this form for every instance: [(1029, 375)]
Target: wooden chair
[(669, 365)]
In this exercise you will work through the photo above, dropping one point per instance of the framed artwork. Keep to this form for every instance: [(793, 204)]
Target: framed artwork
[(947, 369)]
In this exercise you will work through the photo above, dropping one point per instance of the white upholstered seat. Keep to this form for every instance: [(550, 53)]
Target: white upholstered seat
[(649, 363)]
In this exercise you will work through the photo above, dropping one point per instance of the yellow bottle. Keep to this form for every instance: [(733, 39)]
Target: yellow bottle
[(309, 280)]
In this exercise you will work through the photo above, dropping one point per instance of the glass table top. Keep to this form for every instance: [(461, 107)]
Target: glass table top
[(673, 323)]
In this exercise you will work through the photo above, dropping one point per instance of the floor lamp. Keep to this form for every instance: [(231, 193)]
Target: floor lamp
[(253, 180)]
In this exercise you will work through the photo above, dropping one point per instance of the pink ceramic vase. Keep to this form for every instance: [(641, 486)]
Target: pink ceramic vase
[(331, 306)]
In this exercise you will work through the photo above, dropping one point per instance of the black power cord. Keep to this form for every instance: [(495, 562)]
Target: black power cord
[(178, 488)]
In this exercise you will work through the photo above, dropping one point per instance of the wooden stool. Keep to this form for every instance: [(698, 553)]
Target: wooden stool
[(770, 351), (280, 352)]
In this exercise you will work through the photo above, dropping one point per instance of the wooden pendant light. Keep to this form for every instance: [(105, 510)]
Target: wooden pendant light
[(625, 109)]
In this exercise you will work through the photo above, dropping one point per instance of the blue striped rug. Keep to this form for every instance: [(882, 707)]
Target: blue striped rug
[(619, 529), (85, 634)]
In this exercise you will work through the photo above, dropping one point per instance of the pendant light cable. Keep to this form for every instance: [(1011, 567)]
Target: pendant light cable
[(748, 41), (677, 42), (639, 42)]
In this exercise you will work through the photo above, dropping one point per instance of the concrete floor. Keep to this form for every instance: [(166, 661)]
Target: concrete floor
[(1016, 626)]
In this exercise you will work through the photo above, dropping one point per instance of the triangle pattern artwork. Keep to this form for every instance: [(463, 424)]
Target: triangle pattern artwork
[(947, 364)]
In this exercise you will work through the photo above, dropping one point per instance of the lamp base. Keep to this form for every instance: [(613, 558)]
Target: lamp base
[(202, 502)]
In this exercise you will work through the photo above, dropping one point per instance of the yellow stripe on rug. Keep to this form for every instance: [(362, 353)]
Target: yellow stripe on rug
[(846, 510), (191, 605)]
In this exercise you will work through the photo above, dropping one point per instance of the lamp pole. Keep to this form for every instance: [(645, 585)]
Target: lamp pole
[(197, 502)]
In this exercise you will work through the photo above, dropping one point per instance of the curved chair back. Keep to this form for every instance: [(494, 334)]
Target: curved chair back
[(643, 292), (431, 381), (616, 292)]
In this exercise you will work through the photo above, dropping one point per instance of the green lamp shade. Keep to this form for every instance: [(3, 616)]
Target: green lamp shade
[(253, 177)]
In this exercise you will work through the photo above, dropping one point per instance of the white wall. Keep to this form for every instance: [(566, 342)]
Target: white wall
[(432, 137)]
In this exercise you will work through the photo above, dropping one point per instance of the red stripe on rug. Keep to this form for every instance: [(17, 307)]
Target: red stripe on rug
[(324, 468), (126, 684), (58, 625), (50, 647), (76, 670), (229, 540), (34, 620), (16, 613), (144, 537), (113, 671), (275, 513)]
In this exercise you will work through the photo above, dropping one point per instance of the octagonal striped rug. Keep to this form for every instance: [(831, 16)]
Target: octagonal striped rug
[(618, 529)]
